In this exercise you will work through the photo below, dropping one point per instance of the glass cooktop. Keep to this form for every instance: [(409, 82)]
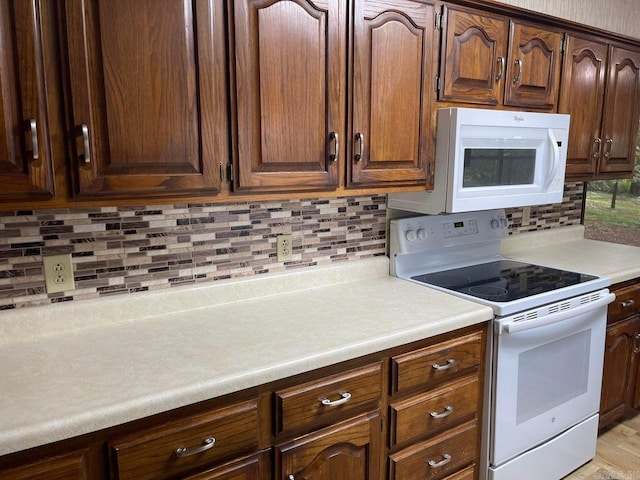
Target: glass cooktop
[(503, 280)]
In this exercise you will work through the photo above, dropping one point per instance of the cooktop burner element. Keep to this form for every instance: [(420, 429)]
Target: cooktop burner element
[(503, 280)]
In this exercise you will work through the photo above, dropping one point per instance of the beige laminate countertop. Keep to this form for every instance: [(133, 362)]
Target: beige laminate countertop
[(81, 366)]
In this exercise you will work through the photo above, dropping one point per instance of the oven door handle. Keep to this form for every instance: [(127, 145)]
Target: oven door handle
[(520, 326)]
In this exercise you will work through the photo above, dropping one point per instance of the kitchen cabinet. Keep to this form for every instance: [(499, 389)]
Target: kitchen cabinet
[(26, 168), (436, 409), (147, 93), (620, 382), (71, 466), (492, 60), (601, 92), (297, 66), (349, 450)]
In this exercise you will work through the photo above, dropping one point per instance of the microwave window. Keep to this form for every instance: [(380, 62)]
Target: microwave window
[(486, 167)]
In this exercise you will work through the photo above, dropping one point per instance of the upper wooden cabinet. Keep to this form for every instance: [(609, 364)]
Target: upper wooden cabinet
[(148, 96), (601, 92), (392, 136), (293, 62), (26, 170), (489, 59)]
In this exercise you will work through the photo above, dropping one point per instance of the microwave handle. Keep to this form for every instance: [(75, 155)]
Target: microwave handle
[(556, 158)]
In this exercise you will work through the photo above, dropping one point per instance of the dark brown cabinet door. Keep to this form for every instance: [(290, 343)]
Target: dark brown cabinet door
[(393, 72), (73, 466), (474, 50), (583, 81), (533, 67), (25, 159), (621, 112), (619, 360), (349, 450), (290, 61), (148, 95)]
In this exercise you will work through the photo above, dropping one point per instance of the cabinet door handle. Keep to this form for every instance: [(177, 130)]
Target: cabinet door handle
[(291, 477), (33, 131), (450, 363), (518, 76), (628, 303), (500, 61), (206, 445), (446, 458), (333, 136), (344, 398), (448, 410), (84, 130), (598, 142), (608, 143), (360, 142)]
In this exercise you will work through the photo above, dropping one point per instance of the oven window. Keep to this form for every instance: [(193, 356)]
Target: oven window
[(552, 374), (486, 167)]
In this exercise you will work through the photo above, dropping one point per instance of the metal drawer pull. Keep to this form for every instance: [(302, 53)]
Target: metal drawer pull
[(500, 60), (344, 398), (448, 410), (360, 139), (518, 76), (33, 128), (206, 445), (333, 136), (291, 477), (608, 142), (628, 303), (446, 458), (597, 141), (450, 363), (85, 141)]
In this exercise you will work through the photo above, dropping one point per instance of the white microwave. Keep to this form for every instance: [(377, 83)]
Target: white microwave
[(488, 159)]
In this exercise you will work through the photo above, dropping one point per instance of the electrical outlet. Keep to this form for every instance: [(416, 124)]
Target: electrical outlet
[(284, 247), (526, 215), (58, 273)]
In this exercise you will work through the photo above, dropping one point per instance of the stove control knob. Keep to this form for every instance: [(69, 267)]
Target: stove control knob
[(421, 234), (504, 223), (410, 235), (495, 223)]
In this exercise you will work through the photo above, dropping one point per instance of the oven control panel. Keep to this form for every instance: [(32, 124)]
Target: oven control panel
[(429, 232)]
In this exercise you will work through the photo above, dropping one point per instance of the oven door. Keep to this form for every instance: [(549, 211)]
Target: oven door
[(547, 372)]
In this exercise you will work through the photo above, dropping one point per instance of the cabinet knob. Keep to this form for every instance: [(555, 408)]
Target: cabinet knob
[(360, 143), (628, 303), (518, 76), (333, 136), (450, 363), (448, 410), (500, 61), (291, 477), (608, 143), (33, 132), (344, 398), (446, 458), (597, 141)]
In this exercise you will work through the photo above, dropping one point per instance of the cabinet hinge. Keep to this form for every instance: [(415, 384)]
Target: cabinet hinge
[(437, 83), (438, 23)]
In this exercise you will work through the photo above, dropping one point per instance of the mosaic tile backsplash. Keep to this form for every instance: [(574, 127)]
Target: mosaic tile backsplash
[(119, 250)]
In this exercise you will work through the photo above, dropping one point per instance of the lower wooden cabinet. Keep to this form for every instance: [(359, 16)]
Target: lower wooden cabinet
[(348, 450), (620, 380), (408, 413), (72, 466)]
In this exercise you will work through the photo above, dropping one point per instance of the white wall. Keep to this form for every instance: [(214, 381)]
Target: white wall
[(619, 16)]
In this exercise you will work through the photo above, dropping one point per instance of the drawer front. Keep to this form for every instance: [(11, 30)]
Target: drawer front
[(152, 454), (468, 473), (421, 415), (72, 466), (438, 457), (329, 399), (627, 303), (439, 362)]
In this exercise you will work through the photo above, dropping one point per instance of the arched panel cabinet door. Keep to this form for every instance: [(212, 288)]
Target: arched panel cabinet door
[(391, 140), (290, 66), (148, 96), (474, 51), (26, 170)]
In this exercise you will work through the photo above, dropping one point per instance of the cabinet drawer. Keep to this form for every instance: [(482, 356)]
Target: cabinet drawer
[(627, 303), (72, 466), (330, 398), (423, 414), (468, 473), (439, 362), (437, 457), (152, 454)]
